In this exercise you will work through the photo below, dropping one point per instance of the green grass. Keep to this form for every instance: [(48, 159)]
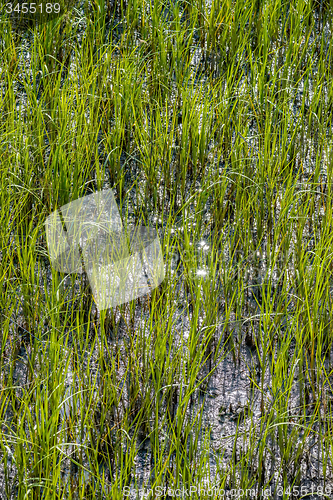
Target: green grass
[(212, 123)]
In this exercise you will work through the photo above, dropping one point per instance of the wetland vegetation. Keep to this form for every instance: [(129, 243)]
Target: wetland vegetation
[(212, 123)]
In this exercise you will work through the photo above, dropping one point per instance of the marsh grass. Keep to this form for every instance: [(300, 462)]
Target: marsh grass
[(211, 122)]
